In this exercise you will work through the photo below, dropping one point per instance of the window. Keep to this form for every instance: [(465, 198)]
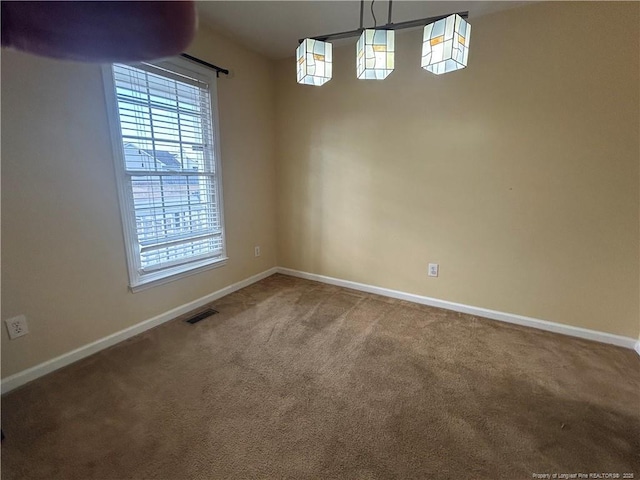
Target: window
[(168, 169)]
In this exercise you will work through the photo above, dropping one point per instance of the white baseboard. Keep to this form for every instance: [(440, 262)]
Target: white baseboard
[(595, 335), (32, 373), (49, 366)]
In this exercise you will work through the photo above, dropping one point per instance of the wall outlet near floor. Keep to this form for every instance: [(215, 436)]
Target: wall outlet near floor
[(17, 326), (257, 251), (433, 269)]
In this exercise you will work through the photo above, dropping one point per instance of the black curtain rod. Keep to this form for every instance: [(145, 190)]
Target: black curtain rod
[(218, 70), (389, 26)]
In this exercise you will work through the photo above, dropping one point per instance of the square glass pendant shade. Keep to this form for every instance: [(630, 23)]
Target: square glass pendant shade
[(375, 54), (445, 45), (314, 62)]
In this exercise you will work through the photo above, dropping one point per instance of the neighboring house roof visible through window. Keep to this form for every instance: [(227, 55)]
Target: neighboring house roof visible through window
[(136, 157)]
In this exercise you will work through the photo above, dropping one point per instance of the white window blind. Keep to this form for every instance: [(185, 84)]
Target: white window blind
[(170, 179)]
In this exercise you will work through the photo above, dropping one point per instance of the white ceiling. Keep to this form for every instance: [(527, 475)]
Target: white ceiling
[(274, 27)]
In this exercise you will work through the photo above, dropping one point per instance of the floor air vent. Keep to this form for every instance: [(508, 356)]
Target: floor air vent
[(201, 316)]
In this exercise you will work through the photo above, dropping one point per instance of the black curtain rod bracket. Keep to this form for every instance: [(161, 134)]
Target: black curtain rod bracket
[(218, 70)]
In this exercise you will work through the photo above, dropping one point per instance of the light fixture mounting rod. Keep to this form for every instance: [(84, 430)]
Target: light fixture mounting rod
[(389, 26), (361, 13), (389, 18)]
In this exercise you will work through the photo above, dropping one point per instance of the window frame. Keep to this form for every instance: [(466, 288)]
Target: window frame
[(139, 280)]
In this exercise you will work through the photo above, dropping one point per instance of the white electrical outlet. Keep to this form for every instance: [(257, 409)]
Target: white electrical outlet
[(17, 326), (257, 251), (433, 269)]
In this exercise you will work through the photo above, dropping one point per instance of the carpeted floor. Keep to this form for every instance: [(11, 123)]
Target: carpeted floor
[(296, 379)]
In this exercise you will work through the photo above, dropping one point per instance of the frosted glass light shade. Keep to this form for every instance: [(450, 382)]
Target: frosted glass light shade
[(314, 62), (375, 54), (445, 45)]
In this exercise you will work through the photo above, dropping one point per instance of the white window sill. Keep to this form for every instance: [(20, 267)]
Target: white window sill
[(160, 278)]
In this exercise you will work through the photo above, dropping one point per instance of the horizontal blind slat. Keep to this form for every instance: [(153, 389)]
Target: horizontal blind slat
[(178, 263), (180, 242)]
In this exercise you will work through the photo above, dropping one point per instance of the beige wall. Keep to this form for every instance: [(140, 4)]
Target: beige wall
[(63, 260), (518, 175)]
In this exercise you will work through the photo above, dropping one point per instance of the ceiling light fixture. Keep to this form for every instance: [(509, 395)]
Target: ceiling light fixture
[(314, 62), (375, 49), (445, 45), (375, 54)]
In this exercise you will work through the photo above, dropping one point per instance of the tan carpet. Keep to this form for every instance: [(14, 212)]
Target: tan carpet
[(295, 379)]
